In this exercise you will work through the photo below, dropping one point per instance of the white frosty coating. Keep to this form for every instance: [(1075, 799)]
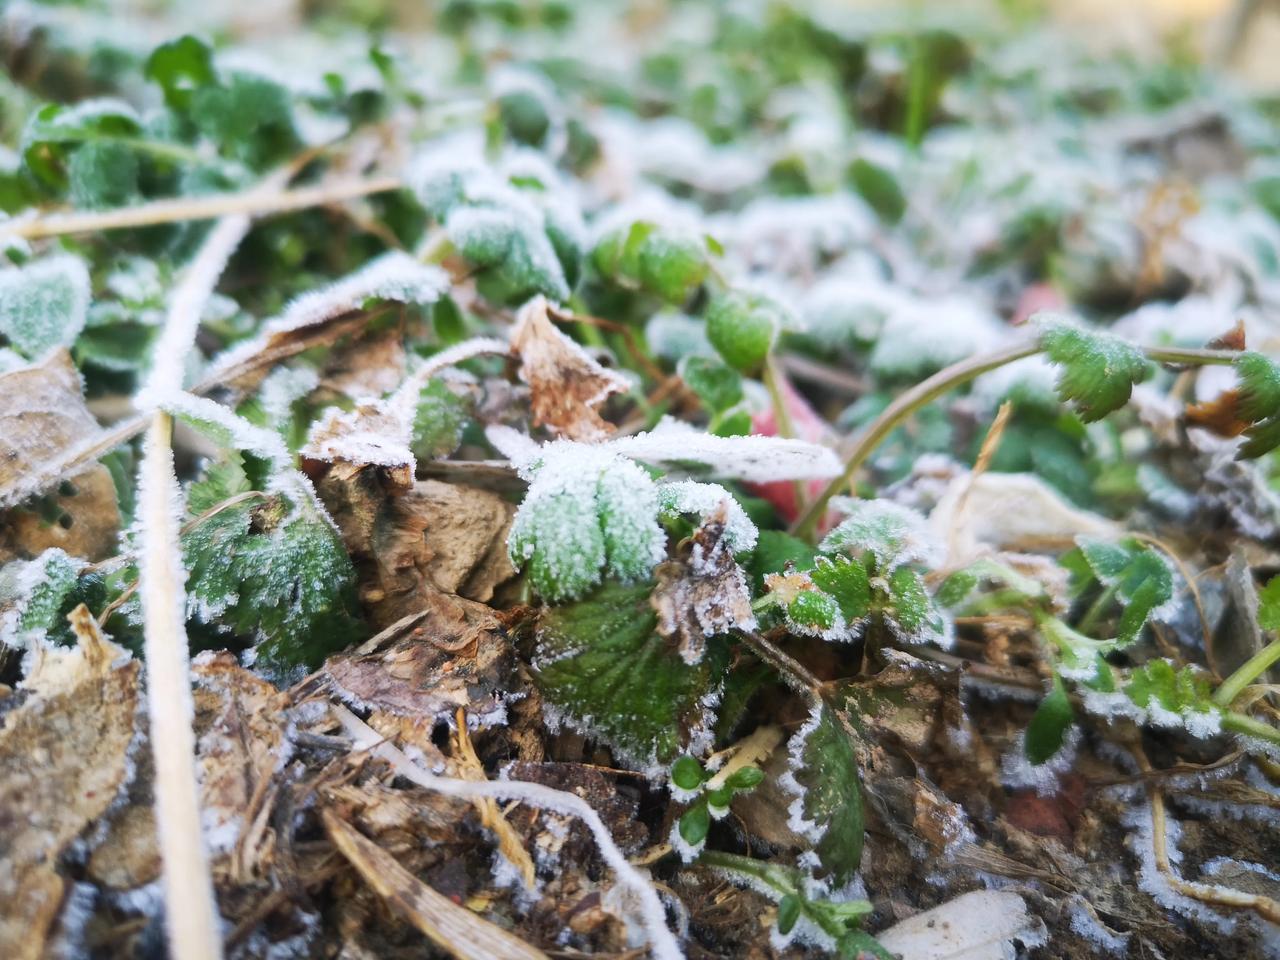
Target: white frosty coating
[(703, 499), (647, 905), (753, 458), (19, 580), (392, 276), (28, 302), (980, 924), (957, 326), (1086, 925), (681, 795), (220, 423), (688, 851), (673, 336), (792, 235), (893, 534), (1162, 612), (796, 821), (1016, 771), (379, 432), (282, 388)]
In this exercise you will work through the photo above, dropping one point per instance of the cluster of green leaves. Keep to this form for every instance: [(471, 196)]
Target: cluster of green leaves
[(708, 796)]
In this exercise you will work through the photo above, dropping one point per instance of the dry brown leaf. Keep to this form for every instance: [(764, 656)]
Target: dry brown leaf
[(566, 386), (1220, 416), (63, 759), (240, 744), (703, 595), (458, 657), (42, 415), (452, 928)]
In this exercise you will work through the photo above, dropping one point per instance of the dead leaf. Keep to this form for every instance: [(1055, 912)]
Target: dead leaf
[(974, 926), (452, 928), (42, 416), (458, 657), (565, 384), (240, 744), (705, 594), (372, 434), (1221, 415), (64, 757), (1233, 339)]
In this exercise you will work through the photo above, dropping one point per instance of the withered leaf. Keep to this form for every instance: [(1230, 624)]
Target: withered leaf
[(240, 743), (1220, 416), (566, 386), (63, 759), (457, 657), (42, 416), (703, 595)]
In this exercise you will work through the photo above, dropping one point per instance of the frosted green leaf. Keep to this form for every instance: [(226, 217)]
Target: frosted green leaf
[(511, 241), (44, 304), (891, 534), (1098, 370), (222, 479), (588, 514), (827, 809), (672, 264), (249, 117), (180, 66), (703, 499), (911, 612), (604, 671), (56, 130), (1142, 578), (673, 336), (814, 613), (1259, 402), (103, 174), (33, 594), (1174, 697), (845, 579), (439, 420), (1048, 728), (717, 384), (742, 326)]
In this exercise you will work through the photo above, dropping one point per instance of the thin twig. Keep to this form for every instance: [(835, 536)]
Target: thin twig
[(179, 209)]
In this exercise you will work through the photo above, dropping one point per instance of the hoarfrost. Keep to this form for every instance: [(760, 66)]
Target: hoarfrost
[(704, 499), (892, 534), (754, 458), (1018, 772), (44, 304)]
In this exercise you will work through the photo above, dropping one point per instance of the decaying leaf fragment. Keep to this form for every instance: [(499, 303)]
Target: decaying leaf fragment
[(42, 415), (704, 595), (64, 756), (457, 657), (566, 385)]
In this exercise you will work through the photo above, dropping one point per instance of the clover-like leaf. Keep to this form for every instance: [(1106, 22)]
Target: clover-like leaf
[(743, 326), (32, 595), (1141, 577), (1174, 697), (668, 262), (827, 809), (1098, 370), (603, 669), (889, 533), (44, 304)]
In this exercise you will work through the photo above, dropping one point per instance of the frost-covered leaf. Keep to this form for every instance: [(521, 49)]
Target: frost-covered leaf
[(1048, 728), (755, 458), (891, 534), (845, 580), (276, 574), (603, 669), (588, 514), (706, 594), (717, 384), (33, 595), (911, 612), (44, 304), (180, 66), (827, 809), (55, 132), (666, 261), (1174, 697), (566, 386), (703, 500), (1098, 370), (439, 419)]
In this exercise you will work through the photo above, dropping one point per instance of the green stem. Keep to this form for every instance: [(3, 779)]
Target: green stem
[(948, 379), (1240, 723), (1246, 673), (899, 410), (1086, 624)]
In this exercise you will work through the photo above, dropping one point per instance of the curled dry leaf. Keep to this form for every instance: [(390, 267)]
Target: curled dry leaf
[(1220, 416), (974, 926), (566, 386), (64, 757), (42, 416), (240, 744), (705, 594), (457, 657)]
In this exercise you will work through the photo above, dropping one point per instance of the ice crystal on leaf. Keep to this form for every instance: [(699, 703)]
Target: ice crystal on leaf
[(702, 500), (1259, 403), (1141, 578), (44, 304), (755, 459), (589, 513), (1097, 370), (32, 595), (890, 533)]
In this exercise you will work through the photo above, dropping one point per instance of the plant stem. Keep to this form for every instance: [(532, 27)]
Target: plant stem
[(792, 671), (1094, 613), (1246, 673), (947, 379), (253, 201), (899, 410), (1241, 723)]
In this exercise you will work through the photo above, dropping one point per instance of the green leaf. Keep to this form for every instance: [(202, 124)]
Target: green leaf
[(1269, 605), (788, 913), (1049, 725), (890, 534), (1098, 369), (222, 479), (911, 612), (745, 778), (1259, 402), (695, 824), (825, 775), (55, 131), (687, 773), (1141, 577), (814, 613), (845, 579), (439, 420), (742, 327), (603, 669), (524, 116), (44, 304), (181, 67), (34, 594), (1156, 686), (587, 515), (717, 384), (249, 117), (879, 188), (103, 174), (774, 551)]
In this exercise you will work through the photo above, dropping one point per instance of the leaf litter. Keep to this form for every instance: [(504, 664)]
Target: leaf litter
[(532, 609)]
